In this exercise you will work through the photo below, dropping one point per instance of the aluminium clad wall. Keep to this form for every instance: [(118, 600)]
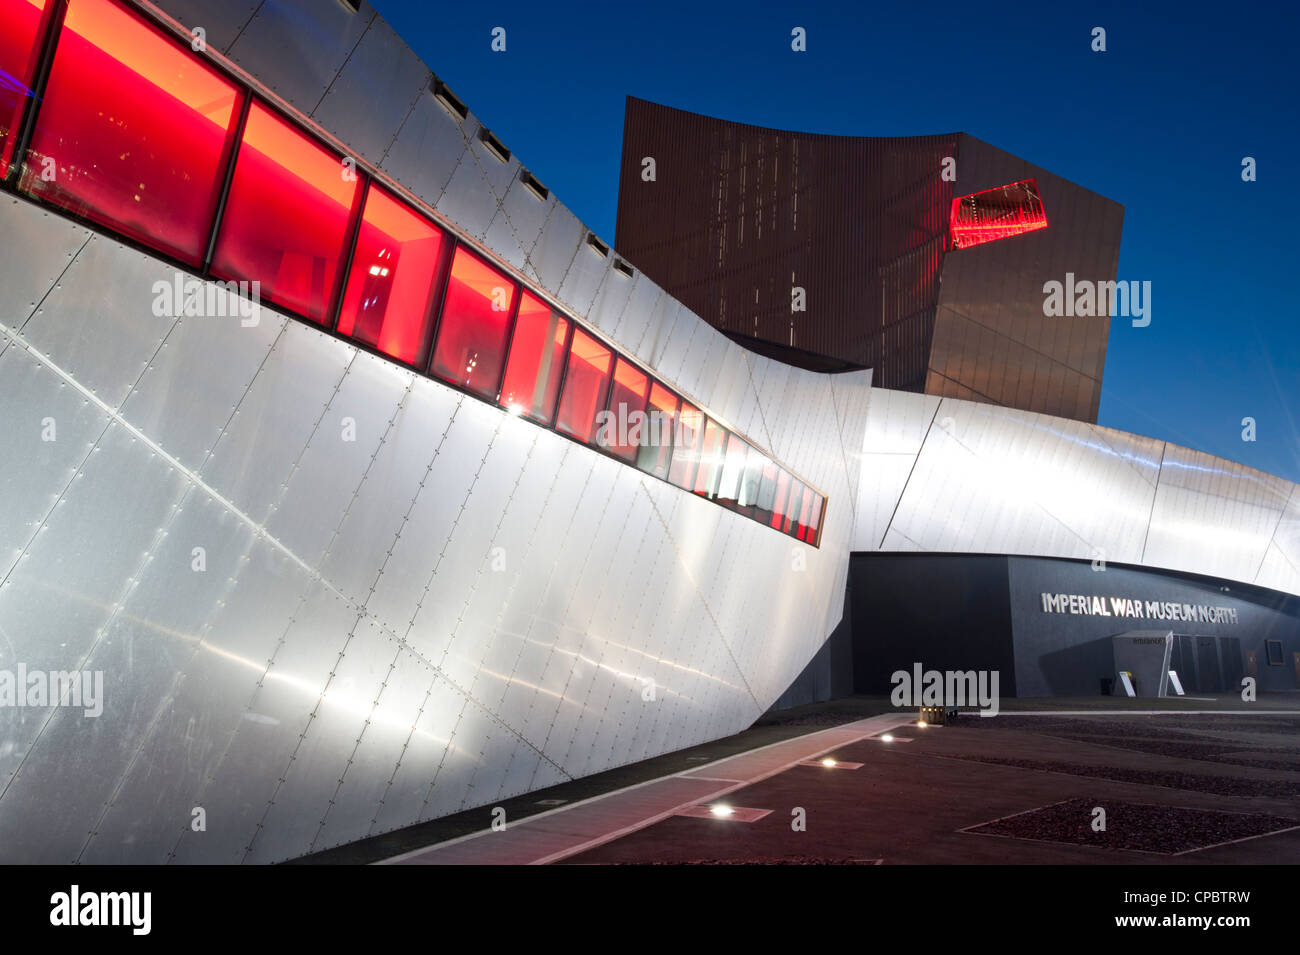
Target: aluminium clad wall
[(355, 657), (954, 476)]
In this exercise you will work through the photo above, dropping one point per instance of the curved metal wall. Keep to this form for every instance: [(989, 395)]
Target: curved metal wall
[(453, 607), (947, 475), (450, 609)]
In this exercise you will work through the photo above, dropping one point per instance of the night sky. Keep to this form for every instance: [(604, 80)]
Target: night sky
[(1160, 122)]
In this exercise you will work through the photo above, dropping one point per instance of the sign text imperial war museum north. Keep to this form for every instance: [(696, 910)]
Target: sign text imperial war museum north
[(1136, 609)]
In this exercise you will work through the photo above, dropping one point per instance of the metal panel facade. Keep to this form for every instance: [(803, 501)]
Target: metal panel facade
[(409, 602), (947, 475)]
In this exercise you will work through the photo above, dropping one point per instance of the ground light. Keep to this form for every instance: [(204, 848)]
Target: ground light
[(887, 738), (922, 723), (828, 762), (721, 809)]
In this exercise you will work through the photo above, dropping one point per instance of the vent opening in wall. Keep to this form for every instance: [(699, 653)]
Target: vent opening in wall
[(532, 185), (494, 145), (593, 243), (450, 101), (623, 267)]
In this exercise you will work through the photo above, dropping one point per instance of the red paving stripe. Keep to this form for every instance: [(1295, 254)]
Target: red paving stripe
[(563, 832)]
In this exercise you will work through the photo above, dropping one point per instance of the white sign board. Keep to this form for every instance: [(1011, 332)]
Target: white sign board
[(1145, 656)]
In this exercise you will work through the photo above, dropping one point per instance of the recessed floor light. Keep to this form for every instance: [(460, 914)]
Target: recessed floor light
[(723, 812)]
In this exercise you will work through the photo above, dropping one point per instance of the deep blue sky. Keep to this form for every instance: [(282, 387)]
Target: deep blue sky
[(1160, 123)]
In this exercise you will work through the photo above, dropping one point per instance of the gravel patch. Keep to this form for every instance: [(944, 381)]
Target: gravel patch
[(1135, 826), (1214, 785)]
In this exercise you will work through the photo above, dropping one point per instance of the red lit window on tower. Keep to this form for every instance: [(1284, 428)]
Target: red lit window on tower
[(995, 214)]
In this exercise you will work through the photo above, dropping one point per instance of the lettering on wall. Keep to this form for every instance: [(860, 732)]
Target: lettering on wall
[(1136, 609)]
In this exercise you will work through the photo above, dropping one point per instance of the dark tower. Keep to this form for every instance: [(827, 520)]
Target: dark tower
[(936, 283)]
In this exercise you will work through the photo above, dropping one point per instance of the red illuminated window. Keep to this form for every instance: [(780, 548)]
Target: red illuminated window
[(585, 383), (710, 468), (622, 433), (287, 219), (686, 447), (391, 286), (733, 469), (766, 492), (815, 519), (750, 481), (536, 359), (793, 507), (805, 515), (471, 347), (134, 131), (779, 501), (137, 133), (657, 443), (24, 22), (996, 214)]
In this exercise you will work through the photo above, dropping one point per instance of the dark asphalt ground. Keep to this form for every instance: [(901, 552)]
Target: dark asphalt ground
[(911, 801)]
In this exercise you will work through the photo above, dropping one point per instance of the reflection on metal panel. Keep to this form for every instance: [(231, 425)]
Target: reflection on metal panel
[(297, 47), (221, 20), (967, 477), (374, 92), (427, 149)]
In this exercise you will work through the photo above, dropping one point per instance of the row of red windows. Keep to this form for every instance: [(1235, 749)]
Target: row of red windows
[(138, 134)]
